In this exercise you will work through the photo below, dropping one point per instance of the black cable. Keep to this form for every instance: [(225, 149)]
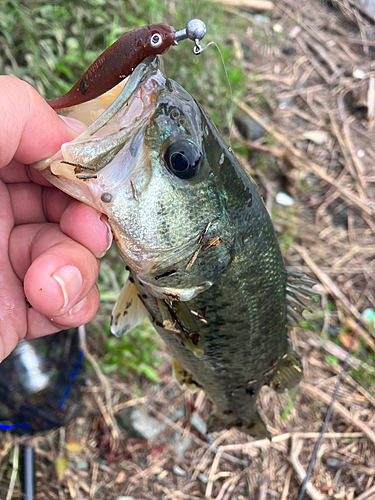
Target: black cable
[(328, 415)]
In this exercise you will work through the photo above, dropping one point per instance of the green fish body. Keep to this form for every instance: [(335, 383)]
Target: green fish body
[(205, 264)]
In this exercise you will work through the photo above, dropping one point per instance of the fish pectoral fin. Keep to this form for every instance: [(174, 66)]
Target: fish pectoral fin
[(183, 377), (129, 310), (288, 373), (255, 428)]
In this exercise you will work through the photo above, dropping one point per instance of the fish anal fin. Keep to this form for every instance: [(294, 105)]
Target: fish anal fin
[(255, 427), (129, 310), (183, 378), (288, 372)]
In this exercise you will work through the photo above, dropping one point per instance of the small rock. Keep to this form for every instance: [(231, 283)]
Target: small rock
[(359, 74), (140, 424), (81, 464), (178, 471), (199, 424), (125, 498), (180, 413), (277, 28), (249, 128), (183, 445), (260, 19), (294, 32), (360, 153), (203, 478), (317, 136), (284, 199)]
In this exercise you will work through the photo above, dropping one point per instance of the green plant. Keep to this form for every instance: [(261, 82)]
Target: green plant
[(133, 353)]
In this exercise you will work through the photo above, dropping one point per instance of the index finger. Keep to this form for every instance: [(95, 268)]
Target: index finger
[(30, 129)]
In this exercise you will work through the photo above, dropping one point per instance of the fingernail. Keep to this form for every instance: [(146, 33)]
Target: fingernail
[(76, 125), (110, 235), (70, 280), (77, 307)]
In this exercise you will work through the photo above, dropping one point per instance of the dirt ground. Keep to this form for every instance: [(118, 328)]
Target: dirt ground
[(311, 86)]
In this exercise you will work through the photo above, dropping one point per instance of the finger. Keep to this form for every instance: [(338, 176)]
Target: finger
[(57, 272), (32, 204), (87, 226), (30, 129), (40, 325), (12, 299)]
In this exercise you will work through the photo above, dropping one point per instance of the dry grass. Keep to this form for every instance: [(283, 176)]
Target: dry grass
[(302, 81)]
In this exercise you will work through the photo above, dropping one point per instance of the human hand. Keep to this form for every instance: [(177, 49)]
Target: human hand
[(49, 243)]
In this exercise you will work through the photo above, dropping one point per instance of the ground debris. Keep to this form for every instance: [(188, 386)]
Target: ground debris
[(311, 94)]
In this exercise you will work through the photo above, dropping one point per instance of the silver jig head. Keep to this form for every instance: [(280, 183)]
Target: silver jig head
[(195, 31)]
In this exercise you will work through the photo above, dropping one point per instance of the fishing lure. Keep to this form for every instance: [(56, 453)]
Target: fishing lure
[(123, 56)]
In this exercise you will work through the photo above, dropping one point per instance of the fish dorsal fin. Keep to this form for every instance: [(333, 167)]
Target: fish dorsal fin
[(300, 296), (129, 310)]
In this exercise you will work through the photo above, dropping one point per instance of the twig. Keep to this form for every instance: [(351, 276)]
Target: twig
[(305, 162), (340, 409), (332, 288), (16, 456), (263, 490), (284, 494), (339, 353), (214, 466), (107, 388), (294, 452), (366, 495)]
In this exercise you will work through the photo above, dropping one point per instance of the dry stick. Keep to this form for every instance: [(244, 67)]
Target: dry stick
[(16, 456), (340, 409), (366, 495), (107, 388), (332, 404), (284, 494), (336, 293), (339, 353), (302, 475), (305, 163)]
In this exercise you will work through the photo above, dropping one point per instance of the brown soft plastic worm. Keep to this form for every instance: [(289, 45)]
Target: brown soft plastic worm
[(118, 62)]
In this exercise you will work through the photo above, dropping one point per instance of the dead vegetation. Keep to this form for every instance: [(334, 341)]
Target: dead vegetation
[(311, 86)]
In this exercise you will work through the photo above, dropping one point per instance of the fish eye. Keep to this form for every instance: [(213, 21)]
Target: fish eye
[(156, 40), (183, 159)]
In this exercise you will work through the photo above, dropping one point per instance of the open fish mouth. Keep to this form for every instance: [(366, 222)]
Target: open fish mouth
[(115, 122)]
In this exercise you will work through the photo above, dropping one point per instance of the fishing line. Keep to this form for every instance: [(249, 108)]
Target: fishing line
[(229, 85), (329, 412)]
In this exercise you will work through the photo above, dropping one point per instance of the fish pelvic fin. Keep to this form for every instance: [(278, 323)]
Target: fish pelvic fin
[(300, 297), (129, 310), (255, 427), (183, 377), (288, 373), (178, 319)]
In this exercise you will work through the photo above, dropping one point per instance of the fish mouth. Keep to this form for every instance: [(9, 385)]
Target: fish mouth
[(114, 121)]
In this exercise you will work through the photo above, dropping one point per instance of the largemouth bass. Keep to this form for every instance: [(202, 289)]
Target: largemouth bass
[(205, 265)]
